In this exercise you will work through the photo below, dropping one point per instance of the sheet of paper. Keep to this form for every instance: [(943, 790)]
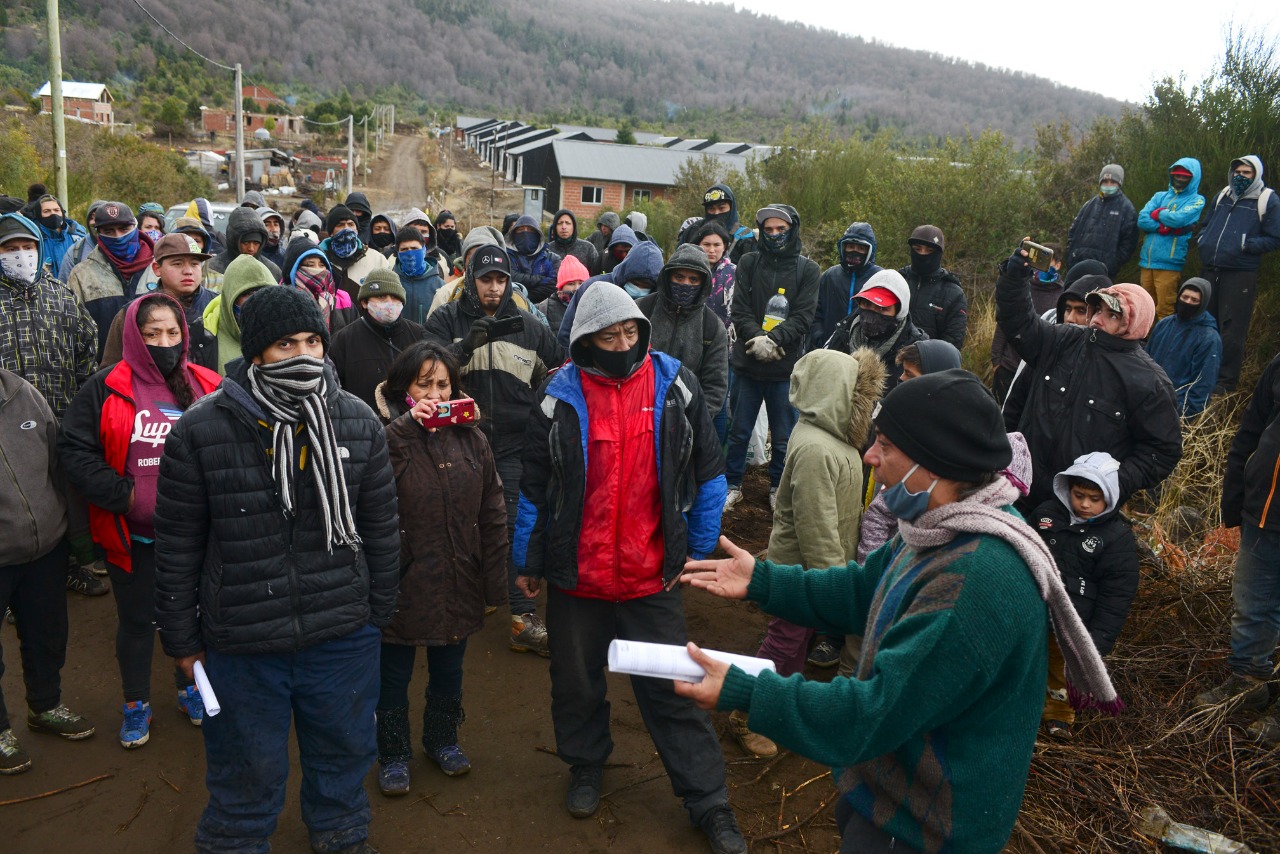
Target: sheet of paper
[(211, 706), (668, 661)]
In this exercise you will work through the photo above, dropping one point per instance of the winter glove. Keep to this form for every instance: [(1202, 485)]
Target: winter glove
[(477, 335), (1016, 267), (1164, 229), (1155, 214), (765, 349)]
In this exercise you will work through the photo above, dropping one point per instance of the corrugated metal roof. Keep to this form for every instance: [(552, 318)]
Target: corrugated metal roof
[(527, 146), (631, 164), (690, 144), (464, 122), (608, 134), (71, 89)]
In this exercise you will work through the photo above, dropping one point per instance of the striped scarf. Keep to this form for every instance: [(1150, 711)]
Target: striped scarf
[(292, 391)]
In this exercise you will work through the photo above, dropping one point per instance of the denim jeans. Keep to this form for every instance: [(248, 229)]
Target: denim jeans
[(330, 691), (579, 631), (746, 396), (1255, 591)]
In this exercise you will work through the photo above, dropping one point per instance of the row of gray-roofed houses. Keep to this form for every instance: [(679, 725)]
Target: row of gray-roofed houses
[(584, 169)]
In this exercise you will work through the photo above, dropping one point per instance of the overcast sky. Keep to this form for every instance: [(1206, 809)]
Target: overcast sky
[(1116, 48)]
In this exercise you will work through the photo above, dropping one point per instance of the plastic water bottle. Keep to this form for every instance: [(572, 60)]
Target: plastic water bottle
[(776, 310)]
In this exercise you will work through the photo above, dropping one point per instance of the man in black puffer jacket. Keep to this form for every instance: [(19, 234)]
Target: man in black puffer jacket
[(938, 305), (278, 577)]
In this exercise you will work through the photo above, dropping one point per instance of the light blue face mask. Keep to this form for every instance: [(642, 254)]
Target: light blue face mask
[(905, 504), (1108, 189), (634, 291)]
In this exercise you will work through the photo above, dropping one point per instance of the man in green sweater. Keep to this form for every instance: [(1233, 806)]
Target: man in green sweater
[(931, 740)]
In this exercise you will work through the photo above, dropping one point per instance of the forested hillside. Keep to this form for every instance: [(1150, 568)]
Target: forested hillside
[(704, 66)]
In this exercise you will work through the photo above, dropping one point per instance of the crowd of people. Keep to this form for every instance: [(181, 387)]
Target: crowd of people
[(308, 445)]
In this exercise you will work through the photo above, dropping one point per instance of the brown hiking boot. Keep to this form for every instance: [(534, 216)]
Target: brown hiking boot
[(1239, 691), (752, 742)]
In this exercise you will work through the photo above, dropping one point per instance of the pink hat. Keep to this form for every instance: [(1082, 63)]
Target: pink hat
[(571, 270), (1135, 304)]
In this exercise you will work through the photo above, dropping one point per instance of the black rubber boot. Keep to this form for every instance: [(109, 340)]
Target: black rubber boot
[(393, 735)]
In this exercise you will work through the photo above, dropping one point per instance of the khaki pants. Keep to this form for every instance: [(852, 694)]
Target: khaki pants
[(1163, 287), (1057, 707)]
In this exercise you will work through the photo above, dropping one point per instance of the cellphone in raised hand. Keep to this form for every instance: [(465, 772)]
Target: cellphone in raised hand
[(452, 412), (1038, 257)]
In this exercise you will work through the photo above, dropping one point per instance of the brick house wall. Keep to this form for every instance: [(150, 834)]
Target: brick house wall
[(80, 108), (615, 196)]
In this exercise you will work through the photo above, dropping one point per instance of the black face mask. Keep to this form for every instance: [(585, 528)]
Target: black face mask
[(381, 240), (617, 363), (877, 325), (725, 219), (166, 358), (1186, 311), (926, 265), (853, 260), (53, 222)]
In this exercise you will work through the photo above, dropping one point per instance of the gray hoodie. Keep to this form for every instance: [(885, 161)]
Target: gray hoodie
[(1098, 467), (33, 513)]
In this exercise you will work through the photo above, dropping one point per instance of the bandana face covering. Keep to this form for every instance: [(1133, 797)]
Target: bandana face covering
[(21, 265), (413, 262), (345, 243), (776, 241), (684, 295), (526, 242), (1240, 183), (124, 247), (878, 325)]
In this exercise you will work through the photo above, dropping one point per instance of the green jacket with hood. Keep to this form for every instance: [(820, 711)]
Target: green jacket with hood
[(244, 274), (817, 520)]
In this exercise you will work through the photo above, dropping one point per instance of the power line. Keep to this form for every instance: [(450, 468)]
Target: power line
[(180, 41), (341, 121)]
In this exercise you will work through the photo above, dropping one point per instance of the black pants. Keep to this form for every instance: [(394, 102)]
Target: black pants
[(444, 672), (859, 836), (135, 595), (510, 466), (1232, 306), (579, 631), (37, 594)]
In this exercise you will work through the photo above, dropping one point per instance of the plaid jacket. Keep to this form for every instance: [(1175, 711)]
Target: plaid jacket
[(46, 338)]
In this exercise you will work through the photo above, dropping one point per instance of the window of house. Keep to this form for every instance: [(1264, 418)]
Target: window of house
[(592, 195), (638, 196)]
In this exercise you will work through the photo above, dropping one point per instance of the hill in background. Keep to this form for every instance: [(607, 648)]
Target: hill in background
[(704, 67)]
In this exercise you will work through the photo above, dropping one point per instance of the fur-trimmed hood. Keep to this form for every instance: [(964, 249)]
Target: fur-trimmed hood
[(836, 392)]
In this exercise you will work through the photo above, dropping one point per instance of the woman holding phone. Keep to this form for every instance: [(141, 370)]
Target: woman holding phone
[(453, 557)]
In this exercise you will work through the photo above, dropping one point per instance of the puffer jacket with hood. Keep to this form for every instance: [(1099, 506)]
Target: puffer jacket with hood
[(838, 284), (938, 304), (1097, 557), (644, 261), (693, 334), (816, 522), (1044, 296), (597, 238), (1190, 351), (243, 224), (384, 243), (601, 517), (622, 235), (502, 375), (742, 239), (97, 434), (1105, 230), (49, 338), (850, 335), (556, 305), (1234, 236), (244, 275), (759, 277), (1179, 212), (536, 270), (1252, 473), (583, 250), (33, 511), (1091, 391), (233, 572), (269, 253)]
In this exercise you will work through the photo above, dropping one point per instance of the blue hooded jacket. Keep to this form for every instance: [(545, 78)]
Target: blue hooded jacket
[(1234, 236), (839, 284), (644, 261), (56, 246), (1190, 351), (1179, 211)]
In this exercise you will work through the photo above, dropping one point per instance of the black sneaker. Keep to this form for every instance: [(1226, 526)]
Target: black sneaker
[(824, 654), (1239, 691), (13, 759), (583, 798), (81, 580), (721, 829)]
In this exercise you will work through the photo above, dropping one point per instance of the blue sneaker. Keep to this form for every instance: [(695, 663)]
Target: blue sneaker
[(452, 760), (393, 778), (191, 704), (136, 729)]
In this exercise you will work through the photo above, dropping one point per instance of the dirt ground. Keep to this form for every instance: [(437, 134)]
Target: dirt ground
[(152, 797)]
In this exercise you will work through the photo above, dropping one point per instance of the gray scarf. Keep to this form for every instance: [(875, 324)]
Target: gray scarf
[(980, 513), (292, 392)]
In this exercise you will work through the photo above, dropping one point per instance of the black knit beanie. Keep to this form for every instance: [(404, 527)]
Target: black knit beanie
[(275, 313), (336, 215), (948, 423)]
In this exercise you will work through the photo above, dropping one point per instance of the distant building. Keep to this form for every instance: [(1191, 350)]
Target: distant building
[(262, 96), (87, 102), (287, 128)]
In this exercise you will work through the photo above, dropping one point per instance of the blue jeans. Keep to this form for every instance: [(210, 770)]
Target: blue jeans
[(746, 395), (330, 691), (721, 420), (1255, 591)]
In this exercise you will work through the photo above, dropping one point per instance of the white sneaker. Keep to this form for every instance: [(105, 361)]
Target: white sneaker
[(731, 500), (773, 498)]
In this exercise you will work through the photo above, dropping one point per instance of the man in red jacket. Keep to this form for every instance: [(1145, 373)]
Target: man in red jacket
[(637, 484)]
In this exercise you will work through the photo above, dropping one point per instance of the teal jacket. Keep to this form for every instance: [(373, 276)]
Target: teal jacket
[(932, 740), (1178, 213)]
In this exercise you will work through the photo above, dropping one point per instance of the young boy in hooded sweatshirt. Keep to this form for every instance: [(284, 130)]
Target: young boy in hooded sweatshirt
[(1097, 556)]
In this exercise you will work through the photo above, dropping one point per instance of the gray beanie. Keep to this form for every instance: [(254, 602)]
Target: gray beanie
[(1114, 172), (602, 305), (610, 220)]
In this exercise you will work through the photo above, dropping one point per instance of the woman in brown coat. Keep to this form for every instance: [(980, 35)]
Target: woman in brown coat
[(453, 558)]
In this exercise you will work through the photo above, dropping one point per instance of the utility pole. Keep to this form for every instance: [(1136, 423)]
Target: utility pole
[(365, 173), (55, 105), (239, 134), (351, 150)]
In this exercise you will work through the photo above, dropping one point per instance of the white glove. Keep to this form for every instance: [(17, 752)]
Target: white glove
[(763, 348)]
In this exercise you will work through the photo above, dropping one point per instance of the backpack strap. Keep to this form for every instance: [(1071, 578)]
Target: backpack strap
[(1263, 198)]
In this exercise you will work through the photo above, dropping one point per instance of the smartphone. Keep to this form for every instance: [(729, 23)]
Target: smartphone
[(451, 412), (1039, 257), (506, 326)]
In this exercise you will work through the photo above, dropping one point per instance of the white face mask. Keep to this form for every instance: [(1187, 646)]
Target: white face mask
[(21, 265), (385, 312)]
